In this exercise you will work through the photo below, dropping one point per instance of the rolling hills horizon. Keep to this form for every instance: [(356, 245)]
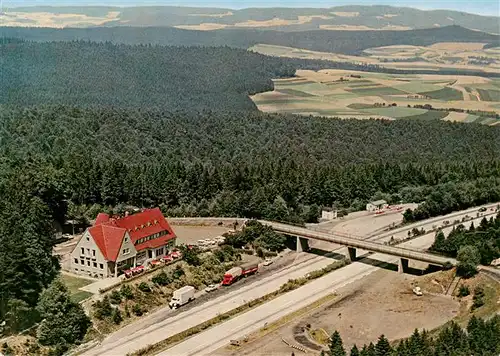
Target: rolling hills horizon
[(350, 17)]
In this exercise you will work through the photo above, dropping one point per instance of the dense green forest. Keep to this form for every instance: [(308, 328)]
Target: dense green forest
[(173, 78), (481, 338), (347, 42), (248, 163), (485, 237)]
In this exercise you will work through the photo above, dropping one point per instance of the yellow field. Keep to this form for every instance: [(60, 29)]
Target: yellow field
[(363, 95), (46, 19), (346, 14), (363, 28), (203, 27)]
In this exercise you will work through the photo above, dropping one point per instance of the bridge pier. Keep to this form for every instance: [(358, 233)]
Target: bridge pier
[(403, 265), (352, 253), (302, 244)]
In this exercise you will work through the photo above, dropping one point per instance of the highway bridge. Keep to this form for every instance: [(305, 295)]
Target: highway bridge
[(303, 235)]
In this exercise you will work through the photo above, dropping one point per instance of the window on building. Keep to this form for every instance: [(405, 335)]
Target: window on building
[(88, 239), (159, 252), (126, 239), (76, 269), (93, 253), (101, 275), (88, 251), (88, 263), (101, 266), (76, 260), (82, 251), (95, 264), (126, 251), (82, 262)]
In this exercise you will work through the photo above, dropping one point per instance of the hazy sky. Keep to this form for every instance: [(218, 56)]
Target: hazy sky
[(487, 7)]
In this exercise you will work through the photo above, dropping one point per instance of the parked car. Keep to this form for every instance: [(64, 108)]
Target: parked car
[(268, 261), (482, 209), (211, 288), (176, 254)]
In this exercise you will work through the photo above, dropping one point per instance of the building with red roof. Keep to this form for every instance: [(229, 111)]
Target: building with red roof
[(116, 243)]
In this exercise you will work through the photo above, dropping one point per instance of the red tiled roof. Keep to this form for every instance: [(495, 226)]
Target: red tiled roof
[(101, 218), (140, 225), (108, 239)]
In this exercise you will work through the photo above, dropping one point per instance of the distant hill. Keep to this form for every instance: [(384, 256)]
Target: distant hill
[(283, 19), (346, 42), (107, 75)]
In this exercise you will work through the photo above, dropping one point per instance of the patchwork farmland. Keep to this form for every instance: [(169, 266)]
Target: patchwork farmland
[(442, 55), (346, 94)]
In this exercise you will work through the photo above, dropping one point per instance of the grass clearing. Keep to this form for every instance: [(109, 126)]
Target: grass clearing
[(396, 111), (294, 92), (471, 118), (489, 95), (320, 336), (446, 94), (429, 115), (360, 106), (418, 87), (74, 284), (378, 91)]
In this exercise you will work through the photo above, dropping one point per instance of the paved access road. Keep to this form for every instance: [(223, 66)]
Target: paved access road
[(160, 325), (162, 329), (209, 341)]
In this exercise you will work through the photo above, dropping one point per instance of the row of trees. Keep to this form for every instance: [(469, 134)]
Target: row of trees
[(481, 338), (475, 245)]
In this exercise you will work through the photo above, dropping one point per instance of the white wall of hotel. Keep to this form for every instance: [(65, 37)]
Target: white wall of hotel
[(87, 259)]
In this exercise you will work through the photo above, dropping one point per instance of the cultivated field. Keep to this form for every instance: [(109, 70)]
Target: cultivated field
[(340, 93), (55, 20), (444, 55)]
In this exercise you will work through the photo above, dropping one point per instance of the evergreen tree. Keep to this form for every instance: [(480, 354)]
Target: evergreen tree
[(383, 347), (64, 322), (336, 347), (354, 351), (439, 241)]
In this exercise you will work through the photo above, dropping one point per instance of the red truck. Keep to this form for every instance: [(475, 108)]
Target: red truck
[(236, 273)]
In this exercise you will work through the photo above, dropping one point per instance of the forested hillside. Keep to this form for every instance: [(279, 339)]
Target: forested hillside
[(173, 78), (246, 163), (347, 42), (143, 76)]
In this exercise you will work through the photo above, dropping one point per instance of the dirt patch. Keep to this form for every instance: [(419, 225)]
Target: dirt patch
[(280, 22), (379, 304), (456, 116), (363, 28), (191, 234), (457, 46), (346, 14)]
